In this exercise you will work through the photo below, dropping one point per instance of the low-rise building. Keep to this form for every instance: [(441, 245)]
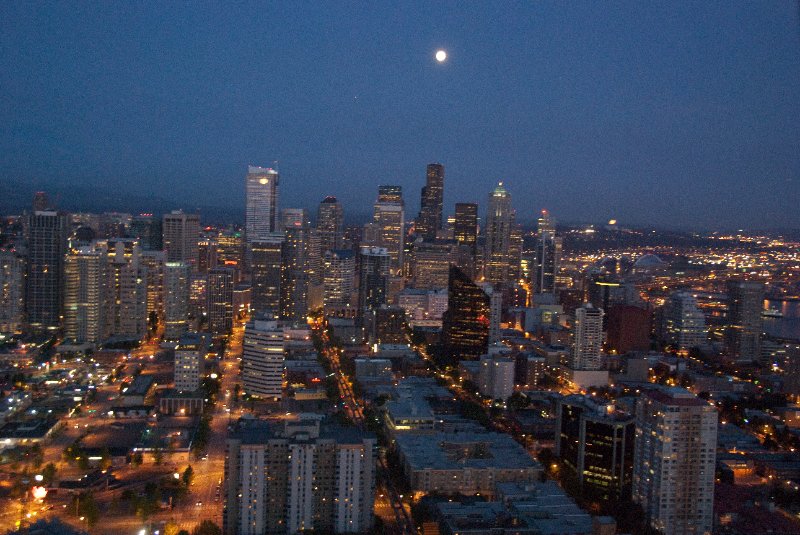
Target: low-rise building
[(463, 463)]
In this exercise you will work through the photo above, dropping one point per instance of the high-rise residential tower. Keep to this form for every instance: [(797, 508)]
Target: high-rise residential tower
[(12, 291), (587, 338), (261, 190), (499, 222), (684, 322), (189, 361), (674, 460), (47, 245), (429, 221), (84, 285), (263, 358), (126, 289), (743, 336), (298, 475)]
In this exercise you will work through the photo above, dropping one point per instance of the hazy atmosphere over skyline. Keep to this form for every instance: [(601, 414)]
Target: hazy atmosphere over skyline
[(672, 115)]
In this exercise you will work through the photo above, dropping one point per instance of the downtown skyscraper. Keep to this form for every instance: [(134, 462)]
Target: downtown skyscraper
[(429, 221), (499, 223), (294, 265), (388, 217), (261, 190), (181, 234)]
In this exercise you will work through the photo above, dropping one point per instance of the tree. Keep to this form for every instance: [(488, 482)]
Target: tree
[(137, 459), (36, 455), (158, 455), (85, 506), (49, 473), (105, 459), (171, 528), (207, 527), (188, 475)]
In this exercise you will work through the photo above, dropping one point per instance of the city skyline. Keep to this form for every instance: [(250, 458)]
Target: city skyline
[(692, 105)]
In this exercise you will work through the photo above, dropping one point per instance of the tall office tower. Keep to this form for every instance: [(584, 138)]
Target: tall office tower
[(515, 253), (294, 265), (206, 253), (330, 224), (466, 225), (496, 376), (265, 267), (198, 295), (465, 324), (261, 189), (547, 262), (47, 245), (84, 299), (587, 338), (674, 459), (431, 264), (340, 273), (388, 217), (189, 357), (298, 475), (499, 222), (41, 202), (374, 268), (546, 225), (596, 443), (176, 299), (181, 233), (429, 221), (147, 229), (219, 294), (684, 322), (745, 302), (263, 358), (12, 291), (370, 235), (230, 249), (154, 262), (126, 289)]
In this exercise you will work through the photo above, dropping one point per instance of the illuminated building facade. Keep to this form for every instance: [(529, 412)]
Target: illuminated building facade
[(261, 214), (181, 234), (465, 325), (596, 443), (499, 224), (674, 461)]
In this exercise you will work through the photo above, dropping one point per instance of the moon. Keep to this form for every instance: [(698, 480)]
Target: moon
[(441, 55)]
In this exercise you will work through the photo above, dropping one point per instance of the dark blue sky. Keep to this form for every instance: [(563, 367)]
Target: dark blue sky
[(680, 114)]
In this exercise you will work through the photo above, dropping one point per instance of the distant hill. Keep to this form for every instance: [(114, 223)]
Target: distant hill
[(17, 197)]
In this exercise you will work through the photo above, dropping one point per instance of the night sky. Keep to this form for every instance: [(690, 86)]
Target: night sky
[(679, 114)]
